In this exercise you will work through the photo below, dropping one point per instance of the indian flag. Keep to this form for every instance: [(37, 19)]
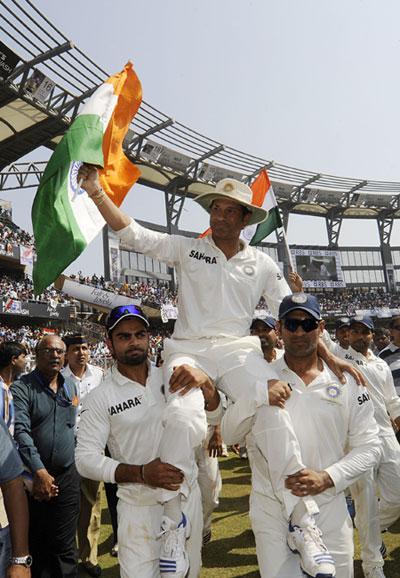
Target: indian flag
[(64, 219), (263, 196)]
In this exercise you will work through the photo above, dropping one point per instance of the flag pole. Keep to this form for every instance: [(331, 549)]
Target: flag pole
[(289, 254)]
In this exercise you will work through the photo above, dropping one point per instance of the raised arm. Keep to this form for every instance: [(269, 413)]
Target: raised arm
[(88, 178)]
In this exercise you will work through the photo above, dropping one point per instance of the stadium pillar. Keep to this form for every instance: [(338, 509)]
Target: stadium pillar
[(333, 225), (174, 201), (385, 226)]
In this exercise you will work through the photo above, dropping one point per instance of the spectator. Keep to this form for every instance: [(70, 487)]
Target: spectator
[(381, 338), (86, 377), (45, 411), (14, 550)]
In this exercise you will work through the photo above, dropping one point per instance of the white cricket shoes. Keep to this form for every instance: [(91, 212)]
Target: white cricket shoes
[(376, 572), (315, 559), (174, 560)]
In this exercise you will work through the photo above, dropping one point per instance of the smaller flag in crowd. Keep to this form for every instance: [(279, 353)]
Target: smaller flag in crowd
[(263, 196)]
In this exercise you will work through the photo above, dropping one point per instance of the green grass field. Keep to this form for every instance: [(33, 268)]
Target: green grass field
[(231, 553)]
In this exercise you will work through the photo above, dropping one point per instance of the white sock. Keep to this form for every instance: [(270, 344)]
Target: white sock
[(300, 515), (173, 510)]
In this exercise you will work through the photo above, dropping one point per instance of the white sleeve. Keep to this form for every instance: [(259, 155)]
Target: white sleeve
[(161, 246), (93, 433), (275, 287), (392, 399), (238, 418), (363, 441)]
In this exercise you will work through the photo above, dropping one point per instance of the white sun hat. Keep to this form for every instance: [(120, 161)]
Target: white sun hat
[(236, 191)]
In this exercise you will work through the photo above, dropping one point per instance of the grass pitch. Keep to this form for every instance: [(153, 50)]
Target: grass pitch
[(231, 552)]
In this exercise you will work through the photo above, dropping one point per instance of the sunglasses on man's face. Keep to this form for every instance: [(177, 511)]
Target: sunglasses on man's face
[(307, 325)]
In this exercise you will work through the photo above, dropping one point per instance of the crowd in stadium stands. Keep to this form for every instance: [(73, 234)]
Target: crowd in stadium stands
[(155, 294), (100, 354), (11, 233), (22, 290), (348, 301), (152, 293)]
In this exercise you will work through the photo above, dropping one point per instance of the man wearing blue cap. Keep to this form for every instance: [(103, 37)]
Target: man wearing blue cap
[(264, 328), (338, 438), (127, 413), (372, 515)]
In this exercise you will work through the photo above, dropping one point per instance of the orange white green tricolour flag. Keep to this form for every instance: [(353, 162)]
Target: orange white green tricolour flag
[(64, 219)]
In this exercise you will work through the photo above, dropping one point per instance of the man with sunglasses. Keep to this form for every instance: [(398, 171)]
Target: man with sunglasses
[(338, 438), (127, 413), (45, 412), (220, 282)]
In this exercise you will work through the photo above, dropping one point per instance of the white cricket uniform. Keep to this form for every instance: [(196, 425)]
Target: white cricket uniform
[(217, 299), (209, 478), (373, 515), (337, 434), (129, 418), (92, 377)]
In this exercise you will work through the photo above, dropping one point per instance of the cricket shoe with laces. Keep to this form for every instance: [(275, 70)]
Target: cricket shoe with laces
[(174, 560), (376, 572), (315, 559)]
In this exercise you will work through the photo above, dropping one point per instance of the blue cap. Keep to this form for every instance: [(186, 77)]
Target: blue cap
[(304, 301), (122, 312), (342, 322), (364, 320), (268, 320)]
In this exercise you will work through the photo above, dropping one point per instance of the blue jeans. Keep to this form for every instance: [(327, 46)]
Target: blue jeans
[(5, 550)]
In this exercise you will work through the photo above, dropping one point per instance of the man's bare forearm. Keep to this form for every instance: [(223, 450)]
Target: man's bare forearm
[(16, 505), (112, 214)]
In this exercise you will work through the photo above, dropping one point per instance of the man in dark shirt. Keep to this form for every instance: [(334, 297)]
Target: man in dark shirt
[(45, 412)]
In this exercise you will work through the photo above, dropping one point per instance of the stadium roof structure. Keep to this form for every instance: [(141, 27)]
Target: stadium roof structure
[(41, 95)]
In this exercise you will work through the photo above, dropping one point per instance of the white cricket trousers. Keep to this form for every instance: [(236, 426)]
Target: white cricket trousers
[(138, 541), (239, 369), (269, 524), (210, 481), (372, 514)]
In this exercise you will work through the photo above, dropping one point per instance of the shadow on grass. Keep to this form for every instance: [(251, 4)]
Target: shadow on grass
[(105, 573), (234, 464), (233, 505), (238, 480), (219, 553)]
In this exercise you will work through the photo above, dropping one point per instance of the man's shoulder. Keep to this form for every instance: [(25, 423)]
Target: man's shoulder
[(389, 350), (95, 370), (26, 380)]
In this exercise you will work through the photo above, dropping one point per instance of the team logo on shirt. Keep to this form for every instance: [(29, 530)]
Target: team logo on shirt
[(123, 406), (249, 270), (202, 257), (333, 391)]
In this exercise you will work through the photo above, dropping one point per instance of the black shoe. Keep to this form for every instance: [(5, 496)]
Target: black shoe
[(91, 569)]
